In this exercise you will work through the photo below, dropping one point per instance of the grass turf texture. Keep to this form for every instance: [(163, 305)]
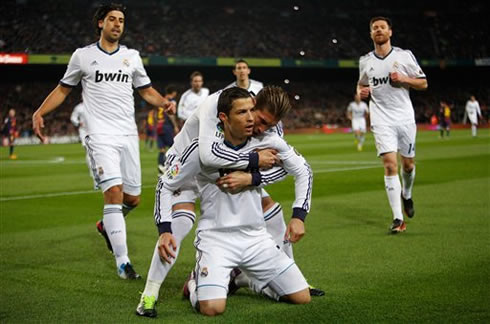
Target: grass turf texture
[(54, 267)]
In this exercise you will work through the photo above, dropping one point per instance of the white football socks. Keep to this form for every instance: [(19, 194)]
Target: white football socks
[(181, 226), (393, 191), (473, 130), (407, 182), (115, 226)]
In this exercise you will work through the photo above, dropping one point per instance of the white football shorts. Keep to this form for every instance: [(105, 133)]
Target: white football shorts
[(115, 160), (395, 139), (359, 124), (253, 251)]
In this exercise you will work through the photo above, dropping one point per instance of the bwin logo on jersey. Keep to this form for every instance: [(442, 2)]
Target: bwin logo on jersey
[(113, 77), (379, 81)]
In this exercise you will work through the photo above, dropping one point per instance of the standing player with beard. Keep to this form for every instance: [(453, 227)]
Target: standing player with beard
[(192, 98), (108, 72), (386, 75)]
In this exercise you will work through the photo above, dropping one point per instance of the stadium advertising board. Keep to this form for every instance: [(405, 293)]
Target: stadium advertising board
[(13, 58)]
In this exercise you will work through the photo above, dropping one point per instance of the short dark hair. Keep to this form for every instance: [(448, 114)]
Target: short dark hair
[(274, 100), (240, 61), (388, 21), (195, 74), (228, 96), (102, 12), (170, 89)]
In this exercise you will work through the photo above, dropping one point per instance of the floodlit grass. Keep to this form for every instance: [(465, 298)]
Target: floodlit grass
[(55, 268)]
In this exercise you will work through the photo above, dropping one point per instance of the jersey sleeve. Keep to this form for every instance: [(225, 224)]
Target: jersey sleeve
[(73, 73), (413, 68), (181, 111), (178, 173), (212, 151), (140, 78), (272, 175), (296, 165), (363, 78)]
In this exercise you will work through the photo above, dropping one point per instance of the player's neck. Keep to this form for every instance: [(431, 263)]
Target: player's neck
[(234, 140), (382, 50), (243, 83), (107, 46)]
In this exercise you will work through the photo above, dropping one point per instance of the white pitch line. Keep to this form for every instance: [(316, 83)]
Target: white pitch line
[(72, 193), (55, 194), (343, 162)]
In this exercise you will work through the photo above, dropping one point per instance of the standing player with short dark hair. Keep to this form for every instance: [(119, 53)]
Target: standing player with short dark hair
[(108, 72), (9, 131), (166, 128), (386, 75), (473, 111), (357, 112), (193, 97)]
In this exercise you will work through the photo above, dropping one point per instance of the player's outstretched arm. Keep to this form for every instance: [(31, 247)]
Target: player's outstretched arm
[(153, 97), (52, 101)]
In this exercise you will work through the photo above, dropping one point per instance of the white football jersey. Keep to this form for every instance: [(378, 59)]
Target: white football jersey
[(189, 101), (358, 110), (253, 86), (473, 108), (204, 123), (389, 104), (78, 119), (220, 209), (107, 81)]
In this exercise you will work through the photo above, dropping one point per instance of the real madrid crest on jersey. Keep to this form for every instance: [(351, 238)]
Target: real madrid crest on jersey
[(173, 171), (126, 62)]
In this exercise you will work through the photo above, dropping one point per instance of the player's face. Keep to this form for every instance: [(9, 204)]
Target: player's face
[(241, 71), (112, 26), (239, 124), (197, 83), (380, 32), (171, 95), (263, 121)]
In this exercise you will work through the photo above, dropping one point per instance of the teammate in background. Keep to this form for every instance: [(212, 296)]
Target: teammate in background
[(108, 72), (473, 111), (150, 129), (192, 98), (357, 111), (166, 128), (444, 119), (174, 225), (9, 132), (386, 75), (242, 73), (78, 120)]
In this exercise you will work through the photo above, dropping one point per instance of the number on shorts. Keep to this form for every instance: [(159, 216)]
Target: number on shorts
[(410, 148)]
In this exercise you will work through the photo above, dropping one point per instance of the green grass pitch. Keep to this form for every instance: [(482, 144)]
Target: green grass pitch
[(55, 268)]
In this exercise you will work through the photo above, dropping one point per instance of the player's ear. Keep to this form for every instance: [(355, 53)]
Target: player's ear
[(222, 117), (101, 23)]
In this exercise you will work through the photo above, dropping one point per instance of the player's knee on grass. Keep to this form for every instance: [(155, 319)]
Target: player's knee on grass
[(212, 307), (300, 297)]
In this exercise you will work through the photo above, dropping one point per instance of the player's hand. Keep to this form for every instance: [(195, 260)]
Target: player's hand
[(176, 130), (37, 126), (169, 107), (295, 230), (235, 181), (365, 92), (268, 158), (167, 247), (397, 77)]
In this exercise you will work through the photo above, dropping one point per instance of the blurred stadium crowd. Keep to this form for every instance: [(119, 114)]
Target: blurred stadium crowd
[(280, 29), (275, 28)]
